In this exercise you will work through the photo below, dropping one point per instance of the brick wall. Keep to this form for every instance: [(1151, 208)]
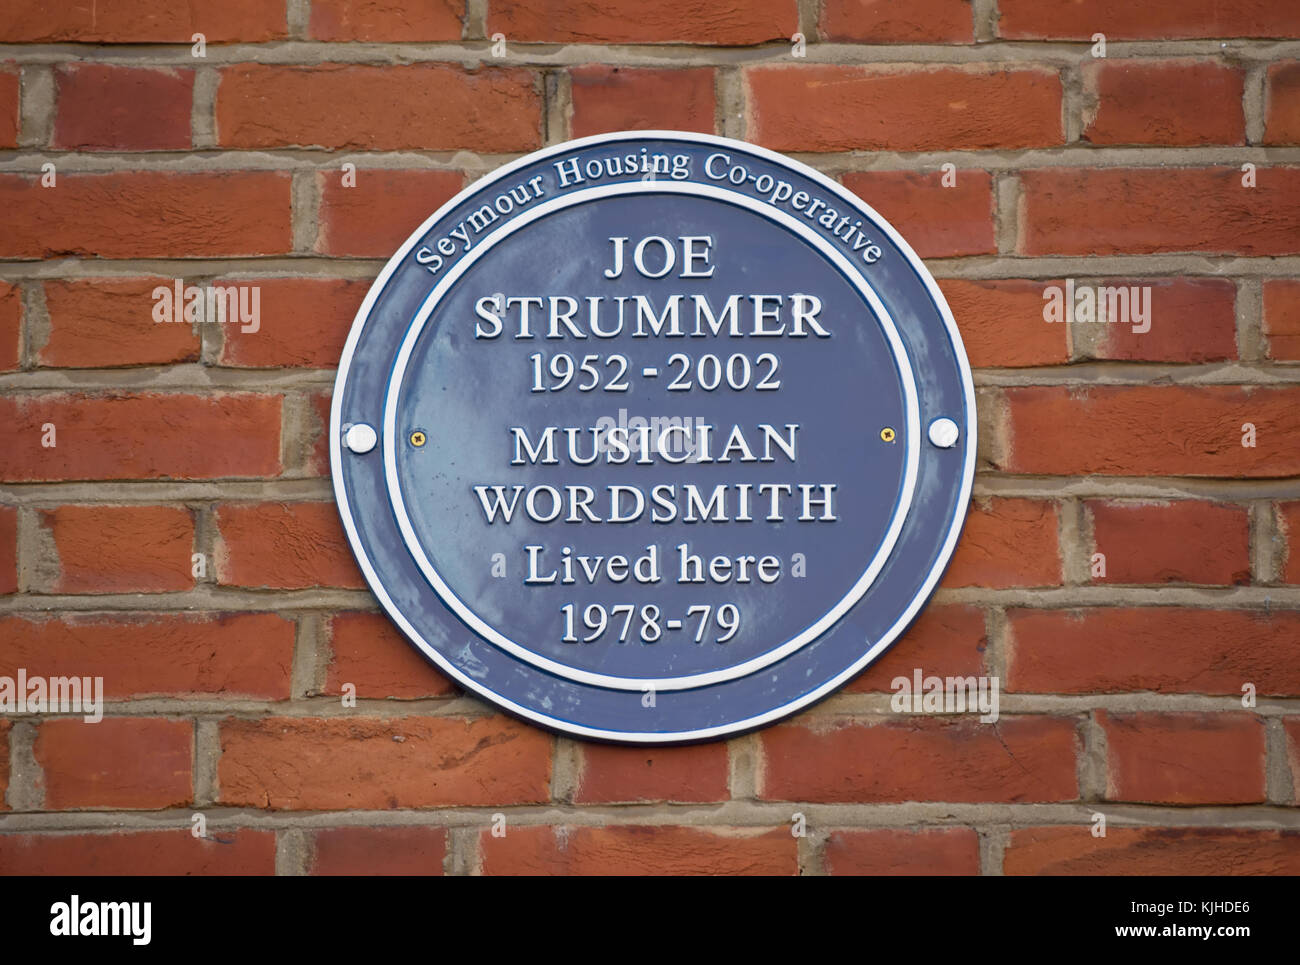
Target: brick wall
[(1122, 691)]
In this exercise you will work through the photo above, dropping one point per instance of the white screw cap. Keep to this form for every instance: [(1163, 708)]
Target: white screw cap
[(944, 433), (360, 438)]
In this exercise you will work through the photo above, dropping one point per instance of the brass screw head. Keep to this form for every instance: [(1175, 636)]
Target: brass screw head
[(887, 434), (417, 438)]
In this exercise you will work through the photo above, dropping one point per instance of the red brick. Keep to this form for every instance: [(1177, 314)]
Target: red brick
[(726, 22), (1163, 649), (303, 323), (941, 851), (284, 546), (387, 21), (1017, 759), (374, 217), (937, 221), (428, 107), (119, 762), (1124, 20), (379, 851), (156, 654), (839, 108), (1191, 320), (106, 322), (1282, 113), (944, 640), (1179, 542), (167, 853), (121, 549), (10, 85), (142, 22), (145, 435), (1118, 211), (631, 850), (1289, 523), (1002, 325), (1282, 319), (11, 327), (4, 764), (1007, 542), (307, 764), (1152, 851), (898, 21), (614, 775), (8, 549), (1167, 430), (618, 99), (369, 652), (146, 214), (1185, 758), (106, 107), (1175, 102)]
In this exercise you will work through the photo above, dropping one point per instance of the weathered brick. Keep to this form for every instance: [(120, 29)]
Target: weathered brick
[(1007, 542), (1144, 430), (314, 764), (1135, 211), (1022, 759), (374, 216), (428, 107), (146, 435), (1180, 542), (107, 322), (631, 850), (142, 22), (1159, 20), (937, 221), (938, 851), (107, 107), (613, 775), (608, 99), (1184, 758), (1175, 102), (166, 853), (156, 654), (284, 545), (379, 851), (370, 653), (1162, 649), (146, 214), (729, 22), (121, 549), (1001, 323), (1282, 319), (303, 323), (387, 21), (898, 21), (1282, 100), (119, 762), (840, 108)]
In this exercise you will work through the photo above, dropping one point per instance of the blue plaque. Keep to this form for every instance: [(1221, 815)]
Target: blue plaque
[(653, 437)]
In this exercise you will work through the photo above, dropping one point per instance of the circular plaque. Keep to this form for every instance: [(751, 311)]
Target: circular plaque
[(653, 437)]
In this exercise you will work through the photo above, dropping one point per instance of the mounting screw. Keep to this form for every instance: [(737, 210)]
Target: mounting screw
[(418, 438), (888, 434)]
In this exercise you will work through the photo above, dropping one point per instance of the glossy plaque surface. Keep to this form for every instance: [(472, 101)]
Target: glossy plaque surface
[(653, 437)]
